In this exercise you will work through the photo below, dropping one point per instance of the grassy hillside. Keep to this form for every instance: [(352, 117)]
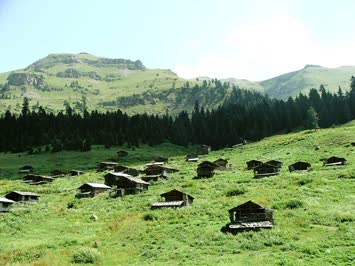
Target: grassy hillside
[(291, 84), (314, 211)]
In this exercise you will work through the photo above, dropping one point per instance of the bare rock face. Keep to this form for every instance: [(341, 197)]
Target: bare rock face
[(19, 79), (73, 73)]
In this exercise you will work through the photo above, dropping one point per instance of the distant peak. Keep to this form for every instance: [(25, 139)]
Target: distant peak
[(311, 66)]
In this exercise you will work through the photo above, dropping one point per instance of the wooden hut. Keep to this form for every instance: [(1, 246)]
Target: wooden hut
[(205, 171), (5, 204), (253, 163), (103, 166), (19, 196), (26, 169), (76, 172), (89, 190), (122, 153), (204, 149), (299, 166), (126, 184), (275, 163), (126, 170), (174, 199), (37, 179), (192, 158), (222, 164), (334, 161), (266, 170), (154, 172), (57, 173), (249, 216)]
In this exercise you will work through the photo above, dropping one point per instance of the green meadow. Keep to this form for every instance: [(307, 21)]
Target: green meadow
[(313, 211)]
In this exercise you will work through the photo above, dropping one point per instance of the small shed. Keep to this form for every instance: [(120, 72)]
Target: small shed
[(222, 164), (122, 153), (126, 170), (5, 204), (193, 160), (26, 169), (76, 172), (155, 163), (205, 171), (103, 166), (58, 173), (89, 190), (204, 149), (266, 170), (37, 179), (161, 159), (174, 199), (253, 163), (275, 163), (19, 196), (299, 166), (249, 216), (125, 183), (334, 161)]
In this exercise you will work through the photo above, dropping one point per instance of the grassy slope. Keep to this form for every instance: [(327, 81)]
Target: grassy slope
[(291, 84), (320, 232)]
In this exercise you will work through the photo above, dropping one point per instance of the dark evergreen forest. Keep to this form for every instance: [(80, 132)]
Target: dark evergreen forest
[(245, 115)]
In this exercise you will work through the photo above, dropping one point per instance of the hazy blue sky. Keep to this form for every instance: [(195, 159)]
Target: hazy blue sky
[(219, 38)]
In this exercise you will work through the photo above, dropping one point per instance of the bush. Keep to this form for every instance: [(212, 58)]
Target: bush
[(87, 255), (149, 217), (294, 204), (235, 192)]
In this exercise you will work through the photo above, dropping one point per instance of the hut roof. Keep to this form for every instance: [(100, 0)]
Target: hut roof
[(273, 162), (5, 200), (26, 167), (24, 193), (196, 159), (168, 204), (94, 185), (161, 159), (301, 163), (120, 174), (247, 205), (265, 165), (334, 158), (155, 164), (175, 191), (130, 178), (109, 163), (209, 164), (253, 161), (251, 225)]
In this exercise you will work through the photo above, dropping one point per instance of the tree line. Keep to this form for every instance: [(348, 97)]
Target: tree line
[(245, 115)]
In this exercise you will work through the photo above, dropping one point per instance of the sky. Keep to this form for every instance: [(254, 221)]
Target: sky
[(254, 39)]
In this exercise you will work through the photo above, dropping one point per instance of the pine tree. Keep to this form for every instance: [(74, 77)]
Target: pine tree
[(312, 119)]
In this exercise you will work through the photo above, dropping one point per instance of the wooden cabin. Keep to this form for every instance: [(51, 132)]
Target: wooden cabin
[(192, 158), (205, 171), (58, 172), (275, 163), (253, 163), (266, 170), (334, 161), (154, 172), (37, 179), (204, 149), (155, 163), (103, 166), (76, 172), (249, 216), (126, 184), (19, 196), (122, 153), (89, 190), (161, 159), (26, 169), (174, 199), (222, 164), (299, 166), (126, 170), (5, 204)]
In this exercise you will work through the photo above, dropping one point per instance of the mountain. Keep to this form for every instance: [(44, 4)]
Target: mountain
[(311, 76), (87, 81), (81, 79)]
